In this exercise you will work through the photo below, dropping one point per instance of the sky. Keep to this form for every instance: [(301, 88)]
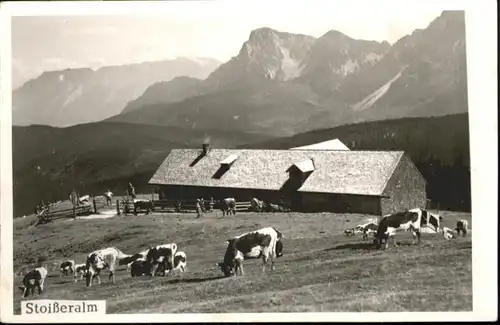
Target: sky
[(215, 29)]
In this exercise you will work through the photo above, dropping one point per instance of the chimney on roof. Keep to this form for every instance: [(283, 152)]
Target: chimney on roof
[(206, 148)]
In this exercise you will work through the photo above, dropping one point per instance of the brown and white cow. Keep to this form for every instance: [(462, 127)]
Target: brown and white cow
[(410, 220), (67, 267), (265, 243), (228, 206), (161, 258), (106, 258), (34, 279), (462, 227), (80, 271)]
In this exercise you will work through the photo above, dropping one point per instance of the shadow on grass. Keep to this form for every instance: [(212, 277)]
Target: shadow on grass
[(366, 246), (196, 280)]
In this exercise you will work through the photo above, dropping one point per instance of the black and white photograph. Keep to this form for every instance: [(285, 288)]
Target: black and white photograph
[(247, 157)]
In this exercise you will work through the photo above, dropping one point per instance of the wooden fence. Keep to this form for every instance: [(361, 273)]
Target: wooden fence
[(179, 206), (123, 204)]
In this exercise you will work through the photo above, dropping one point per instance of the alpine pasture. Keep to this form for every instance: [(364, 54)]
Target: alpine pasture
[(321, 270)]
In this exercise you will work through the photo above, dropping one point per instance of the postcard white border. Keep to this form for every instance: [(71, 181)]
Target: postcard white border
[(481, 47)]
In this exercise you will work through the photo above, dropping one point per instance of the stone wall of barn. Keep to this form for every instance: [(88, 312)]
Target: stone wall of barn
[(405, 189), (340, 203)]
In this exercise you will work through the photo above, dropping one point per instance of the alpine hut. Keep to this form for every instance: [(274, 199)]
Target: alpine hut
[(342, 181)]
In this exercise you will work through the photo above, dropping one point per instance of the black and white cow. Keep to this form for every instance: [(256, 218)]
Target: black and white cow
[(34, 279), (462, 227), (141, 204), (265, 243), (228, 206), (410, 220), (67, 267), (161, 258)]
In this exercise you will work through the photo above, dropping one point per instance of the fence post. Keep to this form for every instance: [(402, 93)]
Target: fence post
[(95, 206), (118, 207), (74, 212)]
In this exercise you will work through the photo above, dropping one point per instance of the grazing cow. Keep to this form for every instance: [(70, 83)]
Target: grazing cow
[(448, 233), (409, 220), (80, 270), (228, 206), (109, 196), (140, 267), (462, 226), (180, 261), (161, 256), (265, 243), (139, 256), (105, 258), (67, 267), (32, 279), (141, 204)]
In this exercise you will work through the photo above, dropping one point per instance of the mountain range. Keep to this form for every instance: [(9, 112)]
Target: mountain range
[(74, 96), (281, 83)]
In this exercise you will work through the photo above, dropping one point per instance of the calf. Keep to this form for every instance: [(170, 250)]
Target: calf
[(143, 205), (448, 233), (462, 227), (228, 206), (368, 229), (265, 243), (67, 267), (180, 261), (161, 256), (80, 270), (409, 220), (34, 278)]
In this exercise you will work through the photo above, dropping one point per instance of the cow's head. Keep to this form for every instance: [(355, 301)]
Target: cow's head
[(227, 265), (279, 248)]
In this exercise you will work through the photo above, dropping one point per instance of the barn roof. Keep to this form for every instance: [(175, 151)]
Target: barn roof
[(347, 172), (334, 144)]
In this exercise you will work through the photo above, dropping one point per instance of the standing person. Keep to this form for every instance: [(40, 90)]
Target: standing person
[(202, 205), (131, 190), (198, 208), (108, 195)]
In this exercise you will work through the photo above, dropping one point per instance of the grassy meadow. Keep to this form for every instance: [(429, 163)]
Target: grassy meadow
[(322, 270)]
